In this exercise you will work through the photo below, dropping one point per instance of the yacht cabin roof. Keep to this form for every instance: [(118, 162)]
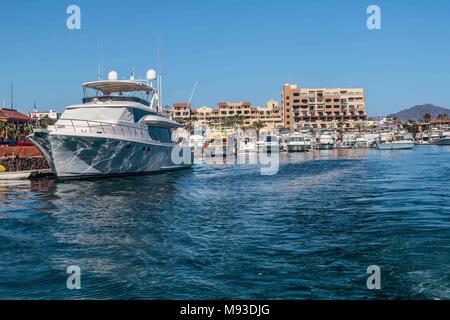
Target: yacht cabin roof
[(108, 87)]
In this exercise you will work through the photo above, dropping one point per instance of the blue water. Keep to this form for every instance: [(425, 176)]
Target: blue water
[(227, 232)]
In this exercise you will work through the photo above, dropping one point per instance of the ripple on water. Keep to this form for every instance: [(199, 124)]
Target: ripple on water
[(222, 231)]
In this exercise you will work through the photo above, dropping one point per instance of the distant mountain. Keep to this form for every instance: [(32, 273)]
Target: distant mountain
[(417, 112)]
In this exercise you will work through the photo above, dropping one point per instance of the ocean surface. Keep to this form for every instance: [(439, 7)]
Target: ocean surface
[(227, 232)]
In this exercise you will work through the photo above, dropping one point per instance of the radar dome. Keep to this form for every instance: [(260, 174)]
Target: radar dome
[(113, 75), (151, 75)]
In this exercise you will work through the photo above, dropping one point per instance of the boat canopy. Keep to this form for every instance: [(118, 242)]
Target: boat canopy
[(108, 87)]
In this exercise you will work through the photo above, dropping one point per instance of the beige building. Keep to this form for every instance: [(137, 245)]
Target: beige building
[(231, 114), (322, 107)]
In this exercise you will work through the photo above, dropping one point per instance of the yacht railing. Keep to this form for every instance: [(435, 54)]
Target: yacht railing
[(100, 127)]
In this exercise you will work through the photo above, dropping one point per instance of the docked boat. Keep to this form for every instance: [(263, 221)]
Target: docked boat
[(361, 142), (327, 141), (444, 139), (117, 130), (247, 145), (397, 145), (297, 143), (16, 175), (218, 147), (269, 144)]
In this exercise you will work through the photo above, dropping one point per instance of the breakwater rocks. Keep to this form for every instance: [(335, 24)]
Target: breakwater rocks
[(24, 164)]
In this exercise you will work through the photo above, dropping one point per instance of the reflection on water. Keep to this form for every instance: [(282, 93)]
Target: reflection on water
[(225, 231)]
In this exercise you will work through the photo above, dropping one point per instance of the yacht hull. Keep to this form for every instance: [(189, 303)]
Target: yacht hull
[(443, 142), (87, 156), (297, 148), (396, 146), (326, 146)]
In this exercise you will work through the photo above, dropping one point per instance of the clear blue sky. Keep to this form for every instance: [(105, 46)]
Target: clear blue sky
[(235, 49)]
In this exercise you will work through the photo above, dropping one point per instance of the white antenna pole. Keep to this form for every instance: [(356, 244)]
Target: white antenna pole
[(160, 91), (98, 58), (101, 58), (159, 66)]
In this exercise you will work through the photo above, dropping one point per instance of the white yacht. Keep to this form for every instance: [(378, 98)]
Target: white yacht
[(327, 141), (361, 142), (270, 143), (117, 130), (397, 145), (444, 139), (247, 145), (297, 143)]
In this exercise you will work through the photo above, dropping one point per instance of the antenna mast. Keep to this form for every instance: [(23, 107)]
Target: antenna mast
[(12, 96), (100, 59), (159, 67)]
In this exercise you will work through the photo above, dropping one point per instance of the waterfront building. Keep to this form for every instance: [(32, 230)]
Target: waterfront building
[(38, 115), (181, 110), (323, 108), (231, 114)]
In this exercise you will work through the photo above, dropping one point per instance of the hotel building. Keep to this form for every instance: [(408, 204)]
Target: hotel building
[(323, 107), (230, 113)]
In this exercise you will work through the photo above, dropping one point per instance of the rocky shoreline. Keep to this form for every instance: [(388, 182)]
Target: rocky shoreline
[(24, 164)]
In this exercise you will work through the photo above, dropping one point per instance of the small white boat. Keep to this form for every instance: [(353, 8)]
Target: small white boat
[(246, 145), (218, 148), (17, 175), (327, 141), (269, 144), (297, 143), (397, 145), (445, 141), (361, 142)]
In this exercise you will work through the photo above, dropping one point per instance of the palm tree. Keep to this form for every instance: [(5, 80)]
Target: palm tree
[(238, 120), (3, 126), (427, 117), (359, 126), (413, 128), (258, 126), (340, 124), (228, 121), (9, 130), (443, 116)]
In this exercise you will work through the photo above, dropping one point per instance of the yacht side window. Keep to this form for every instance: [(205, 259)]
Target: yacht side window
[(160, 134)]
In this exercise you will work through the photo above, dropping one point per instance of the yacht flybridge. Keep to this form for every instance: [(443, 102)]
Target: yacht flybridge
[(119, 129)]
